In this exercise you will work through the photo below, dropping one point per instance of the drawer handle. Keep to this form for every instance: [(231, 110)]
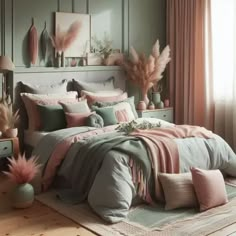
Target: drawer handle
[(5, 148), (164, 115)]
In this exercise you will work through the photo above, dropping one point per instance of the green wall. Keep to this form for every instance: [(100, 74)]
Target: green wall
[(129, 22)]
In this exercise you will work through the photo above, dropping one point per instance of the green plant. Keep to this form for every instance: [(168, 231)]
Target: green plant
[(102, 47), (133, 125)]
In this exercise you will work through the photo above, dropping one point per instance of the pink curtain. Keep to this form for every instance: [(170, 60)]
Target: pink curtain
[(189, 73)]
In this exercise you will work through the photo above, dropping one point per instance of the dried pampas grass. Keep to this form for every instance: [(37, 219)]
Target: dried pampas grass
[(8, 118), (63, 39), (147, 72)]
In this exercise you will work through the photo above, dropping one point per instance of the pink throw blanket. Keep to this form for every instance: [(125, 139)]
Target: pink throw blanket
[(164, 151)]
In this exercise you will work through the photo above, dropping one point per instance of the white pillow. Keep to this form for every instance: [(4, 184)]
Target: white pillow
[(94, 86), (60, 87), (105, 93)]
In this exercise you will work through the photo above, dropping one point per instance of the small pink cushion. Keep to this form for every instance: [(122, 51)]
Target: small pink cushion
[(77, 119), (209, 186)]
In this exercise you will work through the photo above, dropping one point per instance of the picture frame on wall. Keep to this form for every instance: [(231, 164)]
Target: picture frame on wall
[(81, 45)]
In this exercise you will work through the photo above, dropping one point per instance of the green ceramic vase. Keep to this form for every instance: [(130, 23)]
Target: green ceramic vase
[(23, 196), (156, 98)]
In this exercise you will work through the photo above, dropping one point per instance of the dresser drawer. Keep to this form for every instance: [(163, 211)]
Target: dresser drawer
[(6, 148), (163, 114)]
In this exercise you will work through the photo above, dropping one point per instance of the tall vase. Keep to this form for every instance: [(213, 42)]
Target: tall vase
[(58, 60), (156, 98), (62, 59), (23, 196)]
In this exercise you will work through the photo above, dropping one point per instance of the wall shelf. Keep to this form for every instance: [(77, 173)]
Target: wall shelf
[(66, 69)]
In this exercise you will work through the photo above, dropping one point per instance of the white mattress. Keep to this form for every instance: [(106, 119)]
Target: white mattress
[(32, 138)]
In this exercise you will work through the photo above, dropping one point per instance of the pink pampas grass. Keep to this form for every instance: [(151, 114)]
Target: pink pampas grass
[(22, 171), (147, 72), (63, 39)]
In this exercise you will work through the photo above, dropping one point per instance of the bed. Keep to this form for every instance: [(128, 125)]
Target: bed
[(114, 162)]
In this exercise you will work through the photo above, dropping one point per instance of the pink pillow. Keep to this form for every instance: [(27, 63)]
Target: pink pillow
[(77, 119), (122, 116), (209, 186), (99, 98), (32, 100)]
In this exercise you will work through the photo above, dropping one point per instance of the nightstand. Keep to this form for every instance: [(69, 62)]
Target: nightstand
[(9, 147), (164, 114)]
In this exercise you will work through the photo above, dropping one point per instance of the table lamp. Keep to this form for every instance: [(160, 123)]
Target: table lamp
[(6, 65)]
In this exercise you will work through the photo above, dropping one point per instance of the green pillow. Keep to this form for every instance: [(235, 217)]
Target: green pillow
[(107, 114), (130, 100), (95, 120), (52, 117)]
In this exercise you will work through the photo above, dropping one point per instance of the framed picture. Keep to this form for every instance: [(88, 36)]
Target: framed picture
[(81, 45)]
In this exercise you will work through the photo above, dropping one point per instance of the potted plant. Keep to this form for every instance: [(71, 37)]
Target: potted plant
[(8, 120), (102, 47), (21, 172)]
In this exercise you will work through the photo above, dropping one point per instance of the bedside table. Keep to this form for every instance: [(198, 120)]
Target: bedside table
[(9, 147), (164, 114)]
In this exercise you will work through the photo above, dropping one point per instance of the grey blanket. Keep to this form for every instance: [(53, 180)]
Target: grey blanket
[(85, 158)]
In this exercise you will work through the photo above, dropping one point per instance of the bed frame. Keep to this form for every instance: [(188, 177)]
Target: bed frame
[(48, 76)]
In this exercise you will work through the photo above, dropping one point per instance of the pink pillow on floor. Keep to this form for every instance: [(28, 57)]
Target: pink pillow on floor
[(77, 119), (209, 186)]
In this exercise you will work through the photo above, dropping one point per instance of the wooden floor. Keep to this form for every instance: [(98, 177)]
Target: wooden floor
[(37, 220), (40, 220)]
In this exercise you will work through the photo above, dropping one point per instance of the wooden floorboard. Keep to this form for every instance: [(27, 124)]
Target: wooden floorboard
[(40, 220)]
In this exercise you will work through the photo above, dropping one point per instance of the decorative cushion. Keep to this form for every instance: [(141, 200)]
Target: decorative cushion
[(94, 86), (178, 190), (77, 107), (52, 117), (32, 100), (99, 98), (123, 112), (95, 120), (45, 89), (107, 114), (209, 186), (77, 119), (130, 100)]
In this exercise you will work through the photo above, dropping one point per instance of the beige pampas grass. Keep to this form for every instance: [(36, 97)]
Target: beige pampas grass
[(8, 119), (63, 39), (147, 72)]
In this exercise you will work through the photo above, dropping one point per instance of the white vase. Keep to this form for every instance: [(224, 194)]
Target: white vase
[(11, 133)]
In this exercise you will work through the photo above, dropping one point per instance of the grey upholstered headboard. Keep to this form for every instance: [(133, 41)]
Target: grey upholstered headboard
[(49, 76)]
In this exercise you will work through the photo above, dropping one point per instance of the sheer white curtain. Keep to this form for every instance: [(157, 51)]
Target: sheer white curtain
[(224, 68)]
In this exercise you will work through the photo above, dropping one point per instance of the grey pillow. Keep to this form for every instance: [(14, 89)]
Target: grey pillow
[(45, 89), (104, 85), (95, 120), (130, 100), (79, 107)]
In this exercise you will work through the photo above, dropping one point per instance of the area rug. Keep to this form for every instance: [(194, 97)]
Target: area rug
[(149, 221)]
